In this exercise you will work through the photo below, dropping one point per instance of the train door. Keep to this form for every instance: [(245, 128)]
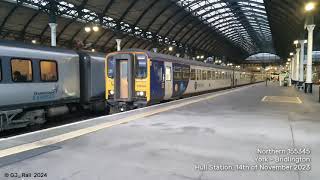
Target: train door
[(124, 90), (124, 77), (168, 80)]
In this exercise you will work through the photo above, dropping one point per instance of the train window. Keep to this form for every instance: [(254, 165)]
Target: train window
[(186, 73), (193, 74), (168, 73), (49, 71), (141, 70), (204, 75), (199, 74), (213, 75), (209, 75), (111, 66), (21, 70), (177, 75), (0, 71)]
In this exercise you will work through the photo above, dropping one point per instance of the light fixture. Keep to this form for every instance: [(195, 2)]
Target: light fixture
[(291, 54), (87, 29), (295, 42), (198, 57), (202, 57), (309, 6), (305, 41), (34, 41), (170, 48), (289, 59), (93, 50), (95, 28)]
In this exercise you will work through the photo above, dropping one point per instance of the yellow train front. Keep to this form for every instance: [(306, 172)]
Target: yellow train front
[(136, 78), (127, 80)]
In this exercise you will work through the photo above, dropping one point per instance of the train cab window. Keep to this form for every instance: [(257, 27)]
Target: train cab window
[(21, 70), (168, 73), (49, 71), (111, 66), (141, 66), (192, 74)]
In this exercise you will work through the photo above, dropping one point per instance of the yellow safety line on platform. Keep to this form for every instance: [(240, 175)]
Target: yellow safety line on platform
[(84, 131)]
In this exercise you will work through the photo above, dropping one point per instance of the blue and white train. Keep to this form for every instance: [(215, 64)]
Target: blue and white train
[(136, 78)]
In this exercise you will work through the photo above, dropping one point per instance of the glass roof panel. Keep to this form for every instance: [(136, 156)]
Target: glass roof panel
[(240, 21)]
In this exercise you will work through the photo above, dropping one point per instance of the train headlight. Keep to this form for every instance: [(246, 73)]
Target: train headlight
[(111, 92), (140, 93)]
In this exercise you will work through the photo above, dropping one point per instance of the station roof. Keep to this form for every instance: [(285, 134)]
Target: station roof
[(232, 28)]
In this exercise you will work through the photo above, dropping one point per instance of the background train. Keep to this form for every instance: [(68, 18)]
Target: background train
[(39, 82), (136, 78)]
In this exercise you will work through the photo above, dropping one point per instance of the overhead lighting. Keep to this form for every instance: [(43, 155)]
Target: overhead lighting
[(170, 48), (295, 42), (95, 28), (198, 57), (305, 41), (202, 57), (87, 29), (93, 50), (34, 41), (310, 6), (291, 54)]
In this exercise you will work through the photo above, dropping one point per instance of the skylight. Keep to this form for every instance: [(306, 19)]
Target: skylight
[(242, 22)]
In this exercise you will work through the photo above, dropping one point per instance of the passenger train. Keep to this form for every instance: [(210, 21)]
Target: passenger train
[(39, 82), (136, 78)]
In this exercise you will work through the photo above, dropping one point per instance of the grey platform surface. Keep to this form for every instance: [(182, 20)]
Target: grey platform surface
[(225, 130)]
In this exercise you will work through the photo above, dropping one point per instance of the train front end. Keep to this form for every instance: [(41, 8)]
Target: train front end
[(127, 80)]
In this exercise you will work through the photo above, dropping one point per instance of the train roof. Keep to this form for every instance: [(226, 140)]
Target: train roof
[(56, 50), (17, 44), (154, 55)]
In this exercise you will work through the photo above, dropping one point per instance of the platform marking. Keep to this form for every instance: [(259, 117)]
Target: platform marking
[(84, 131), (282, 99)]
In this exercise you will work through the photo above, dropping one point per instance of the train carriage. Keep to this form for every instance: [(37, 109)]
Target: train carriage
[(136, 78), (38, 82)]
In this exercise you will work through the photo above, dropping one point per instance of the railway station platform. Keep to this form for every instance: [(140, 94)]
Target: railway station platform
[(221, 135)]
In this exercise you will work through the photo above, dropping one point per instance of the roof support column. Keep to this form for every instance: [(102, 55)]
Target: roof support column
[(293, 69), (290, 73), (301, 73), (308, 84), (53, 22), (118, 44), (297, 66), (53, 27)]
